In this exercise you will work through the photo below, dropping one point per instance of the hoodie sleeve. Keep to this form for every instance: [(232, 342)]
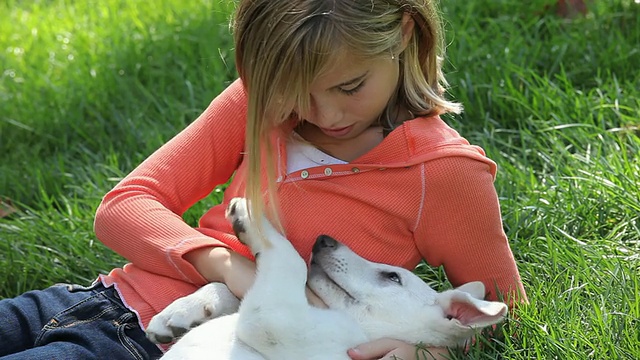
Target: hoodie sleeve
[(461, 226), (141, 218)]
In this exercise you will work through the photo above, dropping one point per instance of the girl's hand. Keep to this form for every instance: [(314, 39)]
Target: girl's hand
[(388, 349)]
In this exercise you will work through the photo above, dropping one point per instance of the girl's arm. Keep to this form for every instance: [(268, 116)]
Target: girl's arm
[(219, 264), (461, 227), (236, 271), (141, 218)]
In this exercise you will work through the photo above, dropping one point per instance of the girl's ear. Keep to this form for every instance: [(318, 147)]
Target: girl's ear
[(407, 29)]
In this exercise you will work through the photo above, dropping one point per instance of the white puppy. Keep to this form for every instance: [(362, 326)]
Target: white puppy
[(366, 301)]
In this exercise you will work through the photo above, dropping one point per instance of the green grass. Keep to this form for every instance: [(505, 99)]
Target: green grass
[(89, 89)]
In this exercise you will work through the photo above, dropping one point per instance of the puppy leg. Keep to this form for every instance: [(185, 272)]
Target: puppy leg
[(279, 264), (280, 280), (210, 301)]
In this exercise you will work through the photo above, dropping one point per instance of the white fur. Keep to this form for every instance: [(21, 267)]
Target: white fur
[(366, 300)]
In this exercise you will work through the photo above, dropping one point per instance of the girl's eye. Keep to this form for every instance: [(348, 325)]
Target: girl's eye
[(352, 90)]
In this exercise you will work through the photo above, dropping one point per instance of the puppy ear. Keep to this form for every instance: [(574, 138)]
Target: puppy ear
[(475, 288), (469, 312)]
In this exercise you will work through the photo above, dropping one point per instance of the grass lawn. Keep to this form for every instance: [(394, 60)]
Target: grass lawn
[(88, 89)]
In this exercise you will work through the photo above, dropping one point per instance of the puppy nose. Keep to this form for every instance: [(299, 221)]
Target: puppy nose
[(324, 242)]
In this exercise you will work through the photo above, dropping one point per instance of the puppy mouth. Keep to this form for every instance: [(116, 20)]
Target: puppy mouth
[(327, 275)]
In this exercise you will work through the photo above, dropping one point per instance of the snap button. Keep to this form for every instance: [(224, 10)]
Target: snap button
[(355, 170), (328, 171), (304, 174)]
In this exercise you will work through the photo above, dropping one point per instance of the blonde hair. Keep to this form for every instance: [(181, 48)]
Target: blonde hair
[(282, 45)]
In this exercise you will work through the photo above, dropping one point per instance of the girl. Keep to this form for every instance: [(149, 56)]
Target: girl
[(335, 118)]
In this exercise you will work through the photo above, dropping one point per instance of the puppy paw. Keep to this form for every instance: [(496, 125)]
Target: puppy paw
[(182, 315), (238, 215), (175, 320)]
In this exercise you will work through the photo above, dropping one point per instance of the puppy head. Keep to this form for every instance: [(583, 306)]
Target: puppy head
[(389, 301)]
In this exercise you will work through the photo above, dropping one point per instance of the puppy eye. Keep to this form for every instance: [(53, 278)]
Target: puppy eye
[(393, 276)]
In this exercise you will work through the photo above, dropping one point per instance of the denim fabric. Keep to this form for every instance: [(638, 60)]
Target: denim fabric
[(71, 322)]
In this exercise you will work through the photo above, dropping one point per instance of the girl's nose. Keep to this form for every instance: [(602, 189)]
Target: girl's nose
[(324, 113)]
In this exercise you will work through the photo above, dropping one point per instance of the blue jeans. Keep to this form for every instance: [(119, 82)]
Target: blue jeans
[(71, 322)]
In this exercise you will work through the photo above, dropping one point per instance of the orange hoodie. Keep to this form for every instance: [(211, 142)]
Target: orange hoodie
[(423, 193)]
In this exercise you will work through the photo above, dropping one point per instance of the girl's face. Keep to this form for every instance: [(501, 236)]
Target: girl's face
[(351, 96)]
